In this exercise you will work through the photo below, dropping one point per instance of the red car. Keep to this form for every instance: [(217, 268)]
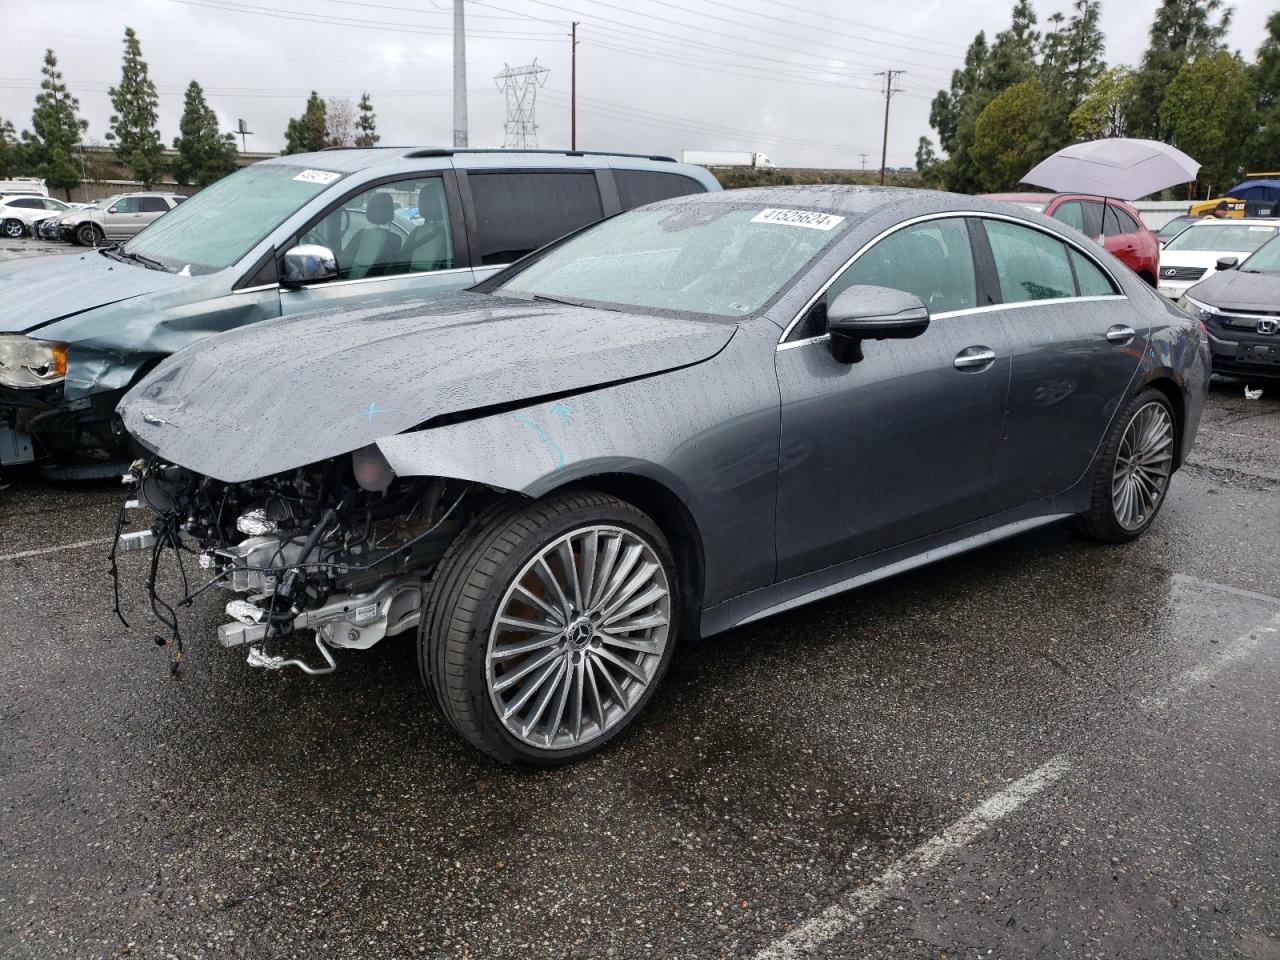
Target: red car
[(1120, 230)]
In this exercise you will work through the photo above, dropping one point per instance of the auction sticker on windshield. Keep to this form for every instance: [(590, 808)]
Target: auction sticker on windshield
[(798, 218), (317, 176)]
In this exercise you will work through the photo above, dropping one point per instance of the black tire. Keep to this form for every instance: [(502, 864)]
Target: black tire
[(1100, 521), (13, 229), (463, 599), (88, 235)]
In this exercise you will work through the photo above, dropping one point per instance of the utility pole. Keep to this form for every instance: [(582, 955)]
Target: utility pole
[(459, 76), (890, 88), (573, 87), (864, 160)]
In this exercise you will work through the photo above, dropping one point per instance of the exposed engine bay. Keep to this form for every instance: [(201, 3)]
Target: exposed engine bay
[(341, 547)]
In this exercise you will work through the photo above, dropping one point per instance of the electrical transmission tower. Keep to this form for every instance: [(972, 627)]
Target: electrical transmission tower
[(520, 86)]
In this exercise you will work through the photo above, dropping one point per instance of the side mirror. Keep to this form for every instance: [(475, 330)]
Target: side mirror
[(1228, 263), (872, 313), (308, 263)]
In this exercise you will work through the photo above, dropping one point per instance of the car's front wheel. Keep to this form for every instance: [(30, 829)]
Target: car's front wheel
[(89, 234), (1132, 472), (13, 229), (548, 626)]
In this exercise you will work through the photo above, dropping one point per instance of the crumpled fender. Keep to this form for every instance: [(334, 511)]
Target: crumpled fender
[(708, 433)]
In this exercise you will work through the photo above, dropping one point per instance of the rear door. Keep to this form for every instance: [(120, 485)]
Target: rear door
[(511, 213), (393, 236), (1075, 352), (899, 445)]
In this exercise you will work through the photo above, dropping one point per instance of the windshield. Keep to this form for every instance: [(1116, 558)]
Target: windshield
[(224, 221), (1208, 236), (1172, 229), (707, 258), (1265, 260)]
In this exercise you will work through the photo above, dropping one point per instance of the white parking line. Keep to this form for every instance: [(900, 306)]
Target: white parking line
[(842, 916), (100, 541), (839, 917)]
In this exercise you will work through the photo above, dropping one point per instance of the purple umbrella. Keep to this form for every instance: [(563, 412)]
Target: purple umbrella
[(1117, 167)]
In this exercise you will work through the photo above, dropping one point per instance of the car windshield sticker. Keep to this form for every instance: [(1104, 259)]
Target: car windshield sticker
[(1261, 229), (317, 176), (798, 218)]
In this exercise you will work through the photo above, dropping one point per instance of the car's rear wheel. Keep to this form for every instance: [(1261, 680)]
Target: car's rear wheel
[(13, 229), (89, 234), (1131, 475), (549, 625)]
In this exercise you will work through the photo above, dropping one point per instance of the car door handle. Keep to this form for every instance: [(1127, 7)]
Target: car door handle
[(975, 358), (1119, 334)]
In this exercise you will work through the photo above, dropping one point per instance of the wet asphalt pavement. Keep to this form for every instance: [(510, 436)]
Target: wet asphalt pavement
[(1047, 748)]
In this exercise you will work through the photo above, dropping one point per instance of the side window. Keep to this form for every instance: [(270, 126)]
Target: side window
[(1127, 223), (152, 205), (518, 212), (1030, 265), (177, 200), (638, 187), (933, 260), (27, 203), (1071, 213), (1111, 226), (1090, 279), (125, 205), (400, 227), (54, 205), (1092, 219)]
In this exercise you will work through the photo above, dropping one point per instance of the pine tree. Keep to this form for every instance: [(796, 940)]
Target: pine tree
[(10, 150), (1264, 145), (1071, 63), (133, 125), (1013, 54), (366, 124), (307, 133), (204, 154), (1181, 31), (57, 129)]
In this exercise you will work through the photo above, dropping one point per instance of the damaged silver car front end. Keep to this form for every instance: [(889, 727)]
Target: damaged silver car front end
[(341, 550)]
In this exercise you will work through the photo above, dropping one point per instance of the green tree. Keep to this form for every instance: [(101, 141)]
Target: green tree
[(1209, 111), (1013, 54), (954, 112), (133, 125), (1007, 138), (1071, 62), (10, 150), (926, 160), (1264, 145), (1102, 113), (367, 124), (308, 132), (1181, 31), (57, 128), (204, 154)]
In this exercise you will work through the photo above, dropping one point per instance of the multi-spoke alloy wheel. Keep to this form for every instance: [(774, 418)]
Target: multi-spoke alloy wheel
[(1143, 466), (578, 637), (549, 625)]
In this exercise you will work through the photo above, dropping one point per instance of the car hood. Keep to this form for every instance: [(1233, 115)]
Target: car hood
[(284, 393), (1240, 291), (1196, 258), (37, 292)]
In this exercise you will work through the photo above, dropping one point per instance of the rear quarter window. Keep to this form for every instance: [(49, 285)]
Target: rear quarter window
[(518, 212), (638, 187), (1090, 278)]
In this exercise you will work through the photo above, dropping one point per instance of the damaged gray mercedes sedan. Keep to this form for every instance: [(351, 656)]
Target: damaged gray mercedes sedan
[(690, 416)]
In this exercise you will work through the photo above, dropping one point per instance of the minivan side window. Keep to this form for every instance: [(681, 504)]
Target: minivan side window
[(1030, 265), (400, 227), (638, 187), (518, 212), (932, 259)]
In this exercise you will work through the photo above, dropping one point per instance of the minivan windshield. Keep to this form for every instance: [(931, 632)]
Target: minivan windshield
[(227, 219), (1208, 236), (705, 258)]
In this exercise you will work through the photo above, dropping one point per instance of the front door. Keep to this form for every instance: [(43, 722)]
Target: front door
[(405, 235), (899, 445), (123, 219)]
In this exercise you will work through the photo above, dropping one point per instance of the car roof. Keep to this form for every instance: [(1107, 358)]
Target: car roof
[(353, 159), (1236, 221), (1265, 182), (850, 200)]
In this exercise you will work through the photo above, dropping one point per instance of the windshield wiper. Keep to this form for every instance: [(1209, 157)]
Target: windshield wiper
[(145, 261), (573, 303)]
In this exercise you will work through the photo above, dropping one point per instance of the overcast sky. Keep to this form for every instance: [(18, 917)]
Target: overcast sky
[(795, 80)]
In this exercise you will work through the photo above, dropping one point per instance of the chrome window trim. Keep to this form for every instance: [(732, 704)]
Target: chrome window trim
[(945, 215), (947, 314), (327, 284), (1231, 314)]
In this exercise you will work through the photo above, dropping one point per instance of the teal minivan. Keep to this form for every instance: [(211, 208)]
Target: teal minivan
[(283, 236)]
